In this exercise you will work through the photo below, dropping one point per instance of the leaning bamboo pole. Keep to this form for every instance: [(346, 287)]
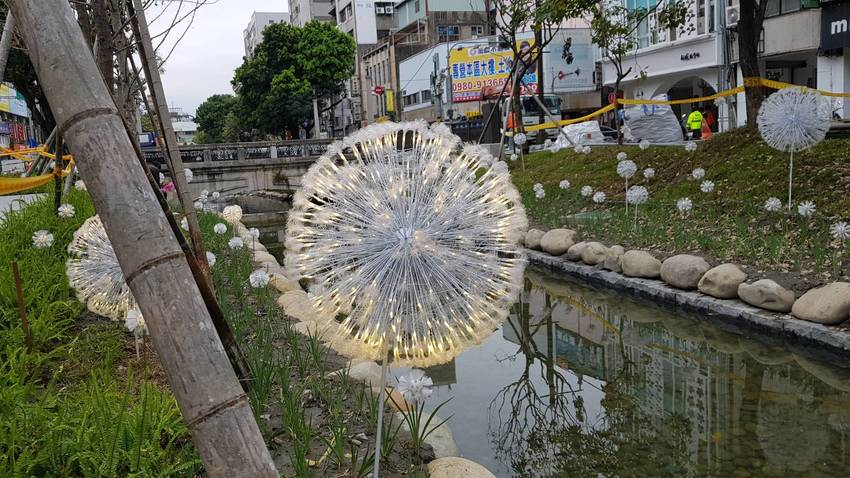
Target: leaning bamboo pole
[(213, 404)]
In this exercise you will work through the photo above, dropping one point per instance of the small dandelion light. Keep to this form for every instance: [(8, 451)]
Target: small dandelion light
[(520, 139), (684, 205), (622, 156), (204, 195), (94, 273), (585, 149), (135, 323), (637, 195), (840, 231), (690, 146), (417, 242), (698, 173), (79, 185), (513, 157), (626, 169), (599, 197), (184, 223), (773, 204), (564, 184), (215, 195), (578, 149), (644, 144), (707, 186), (792, 120), (259, 279), (211, 258), (235, 243), (649, 173), (806, 209), (189, 175), (540, 194), (198, 205), (232, 214), (586, 191), (415, 387), (42, 239), (161, 178), (66, 211), (220, 228), (537, 187)]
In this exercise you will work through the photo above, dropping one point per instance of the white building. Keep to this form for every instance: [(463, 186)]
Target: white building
[(253, 35), (302, 11)]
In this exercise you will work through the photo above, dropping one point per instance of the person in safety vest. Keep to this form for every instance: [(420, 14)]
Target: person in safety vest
[(695, 123)]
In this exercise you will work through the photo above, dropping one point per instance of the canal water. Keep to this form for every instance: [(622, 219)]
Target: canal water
[(580, 383)]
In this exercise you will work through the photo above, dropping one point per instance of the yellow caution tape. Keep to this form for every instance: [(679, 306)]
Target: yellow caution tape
[(778, 85), (13, 185)]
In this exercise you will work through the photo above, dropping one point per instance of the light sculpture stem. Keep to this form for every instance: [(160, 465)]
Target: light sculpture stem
[(790, 178), (382, 387)]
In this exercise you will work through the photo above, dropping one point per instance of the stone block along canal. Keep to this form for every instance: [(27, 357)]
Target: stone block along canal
[(582, 383)]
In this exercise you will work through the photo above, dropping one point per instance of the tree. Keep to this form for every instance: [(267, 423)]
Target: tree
[(613, 29), (211, 116), (291, 67), (750, 24)]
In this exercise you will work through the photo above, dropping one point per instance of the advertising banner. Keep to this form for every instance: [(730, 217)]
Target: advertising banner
[(569, 62), (6, 94), (474, 68), (835, 26)]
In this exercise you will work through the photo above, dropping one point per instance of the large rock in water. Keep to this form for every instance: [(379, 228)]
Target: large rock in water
[(766, 294), (612, 258), (684, 271), (574, 252), (640, 264), (456, 467), (532, 238), (722, 281), (594, 253), (557, 241), (827, 305)]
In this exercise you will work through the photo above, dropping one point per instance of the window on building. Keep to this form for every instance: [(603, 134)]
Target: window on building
[(425, 95), (410, 100), (448, 32), (778, 7), (477, 30), (416, 6)]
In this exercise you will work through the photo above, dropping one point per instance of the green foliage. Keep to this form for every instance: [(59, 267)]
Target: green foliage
[(211, 117), (290, 67)]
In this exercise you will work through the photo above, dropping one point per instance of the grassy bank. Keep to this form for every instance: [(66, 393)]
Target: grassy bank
[(729, 223)]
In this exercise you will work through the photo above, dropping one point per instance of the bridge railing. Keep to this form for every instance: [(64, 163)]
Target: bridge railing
[(204, 153)]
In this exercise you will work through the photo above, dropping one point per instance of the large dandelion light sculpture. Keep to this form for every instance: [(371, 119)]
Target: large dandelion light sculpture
[(411, 249), (94, 273), (793, 120)]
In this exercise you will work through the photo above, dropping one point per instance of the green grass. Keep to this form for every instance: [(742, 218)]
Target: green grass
[(728, 223)]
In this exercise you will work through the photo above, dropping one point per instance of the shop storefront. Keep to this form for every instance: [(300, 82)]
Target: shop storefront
[(833, 63)]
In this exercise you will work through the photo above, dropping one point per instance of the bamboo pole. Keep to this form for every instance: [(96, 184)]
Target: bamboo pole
[(136, 11), (214, 406), (57, 169), (6, 43), (22, 308)]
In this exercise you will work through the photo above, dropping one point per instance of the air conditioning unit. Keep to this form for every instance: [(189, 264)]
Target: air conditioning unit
[(388, 9), (379, 10), (733, 13)]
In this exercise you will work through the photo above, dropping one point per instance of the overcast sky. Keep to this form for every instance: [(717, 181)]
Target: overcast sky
[(204, 60)]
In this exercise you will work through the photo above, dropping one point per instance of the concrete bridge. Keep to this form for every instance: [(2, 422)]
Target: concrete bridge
[(244, 168)]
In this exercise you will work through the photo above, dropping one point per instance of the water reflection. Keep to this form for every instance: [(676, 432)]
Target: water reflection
[(580, 383)]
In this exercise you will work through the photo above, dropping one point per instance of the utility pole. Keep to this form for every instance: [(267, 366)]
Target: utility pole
[(538, 43), (214, 406), (437, 87)]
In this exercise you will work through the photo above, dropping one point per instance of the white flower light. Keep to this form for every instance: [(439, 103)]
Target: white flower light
[(220, 228), (537, 187), (691, 146), (773, 204), (806, 208), (520, 139), (259, 278), (79, 185), (513, 157), (622, 156), (684, 204), (637, 195), (189, 175), (706, 186), (94, 273), (211, 258), (644, 144), (564, 184), (840, 231), (184, 223), (66, 211), (232, 214), (794, 119), (416, 386), (198, 205), (205, 194), (586, 191), (698, 173), (578, 149), (235, 243), (649, 173), (599, 197), (161, 178), (417, 241), (585, 149), (254, 233), (539, 194), (626, 169), (216, 195), (135, 323), (42, 239)]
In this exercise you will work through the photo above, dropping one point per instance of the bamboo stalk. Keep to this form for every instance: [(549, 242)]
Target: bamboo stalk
[(22, 308), (214, 406)]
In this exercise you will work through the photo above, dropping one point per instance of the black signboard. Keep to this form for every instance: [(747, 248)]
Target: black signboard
[(835, 26)]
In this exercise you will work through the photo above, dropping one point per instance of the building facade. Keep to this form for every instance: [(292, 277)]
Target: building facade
[(833, 62), (302, 11), (253, 34)]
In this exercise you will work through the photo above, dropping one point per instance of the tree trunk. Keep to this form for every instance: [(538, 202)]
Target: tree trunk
[(214, 406), (749, 33), (617, 110), (6, 43)]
